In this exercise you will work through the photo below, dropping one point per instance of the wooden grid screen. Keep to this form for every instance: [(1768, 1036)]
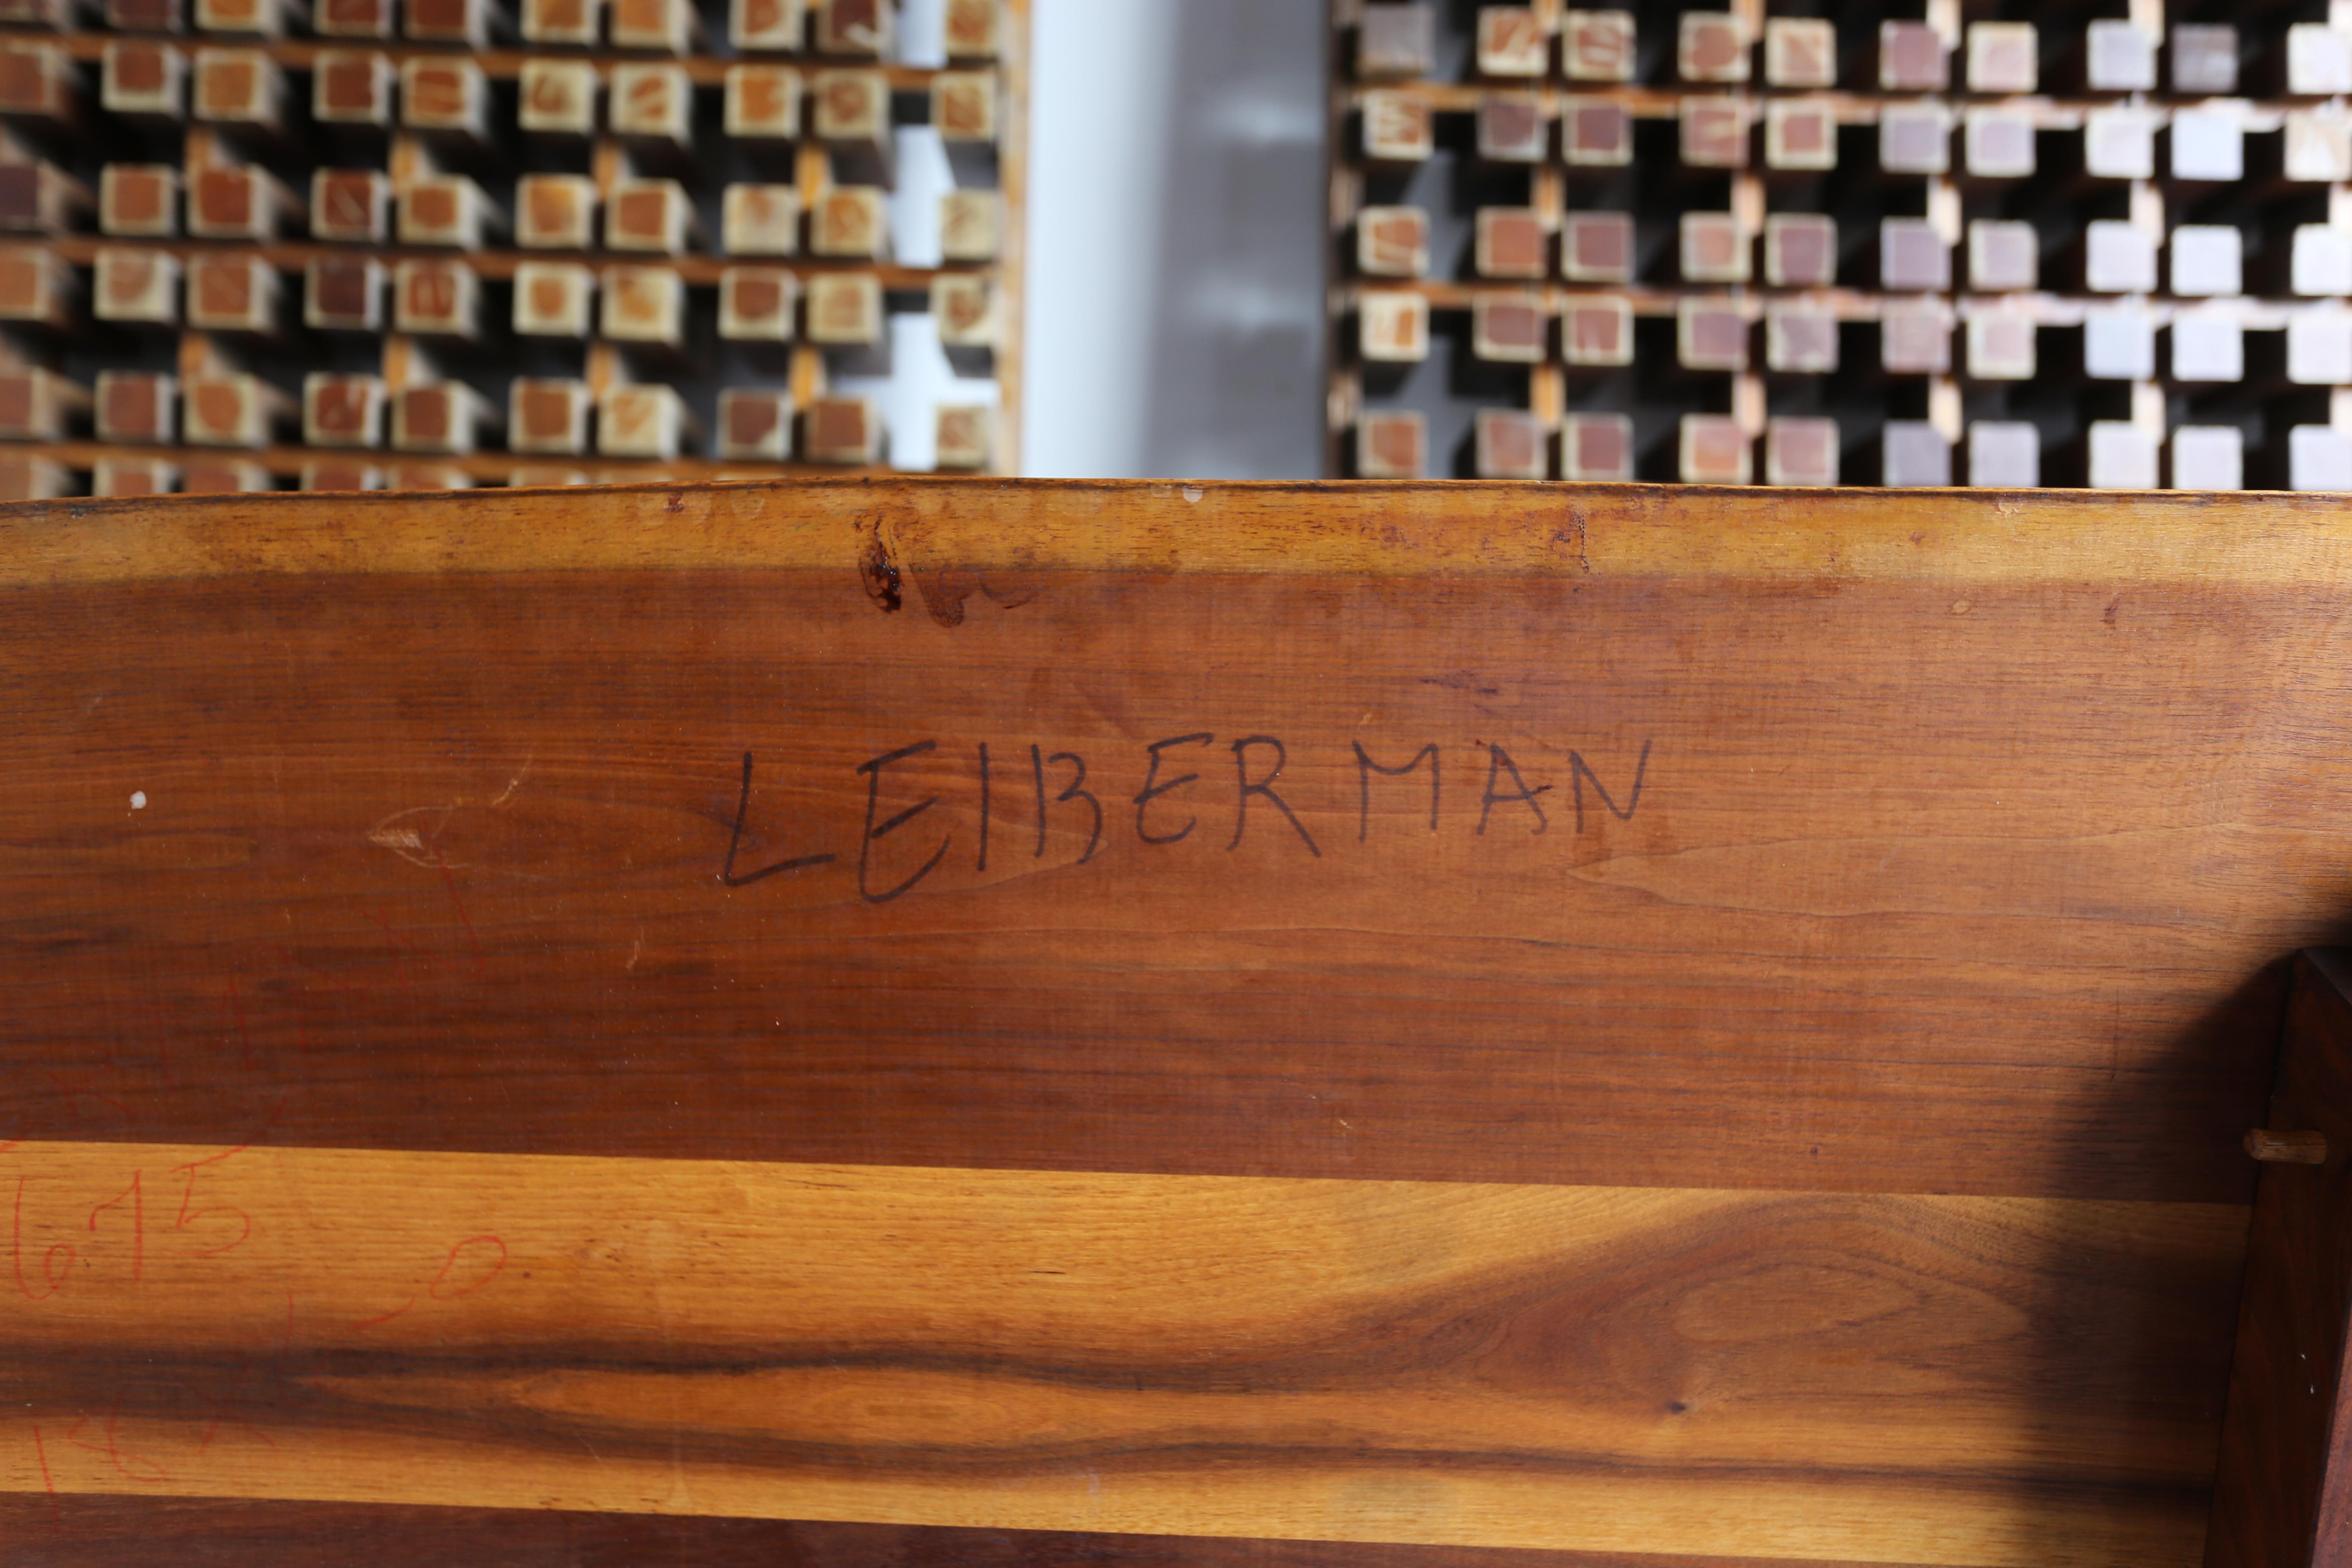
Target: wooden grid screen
[(1793, 243), (362, 244)]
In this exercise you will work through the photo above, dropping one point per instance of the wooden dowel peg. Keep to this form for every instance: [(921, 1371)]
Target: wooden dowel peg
[(2290, 1148)]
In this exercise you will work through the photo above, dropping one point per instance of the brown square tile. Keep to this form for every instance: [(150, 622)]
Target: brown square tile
[(1509, 444), (349, 206), (1913, 58), (1710, 335), (1598, 46), (1511, 328), (1714, 451), (1595, 133), (1512, 42), (1800, 52), (1714, 133), (1800, 340), (1512, 128), (1800, 452), (1393, 242), (344, 294), (1801, 250), (1597, 330), (137, 286), (1712, 45), (1714, 249), (1915, 339), (1912, 257), (1510, 242), (1597, 448), (343, 410), (1391, 444), (842, 430), (755, 424), (140, 199), (1801, 133), (975, 29), (1597, 246), (763, 101), (1397, 129), (135, 408)]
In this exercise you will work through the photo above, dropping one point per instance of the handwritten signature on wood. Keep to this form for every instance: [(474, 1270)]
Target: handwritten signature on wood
[(1060, 779)]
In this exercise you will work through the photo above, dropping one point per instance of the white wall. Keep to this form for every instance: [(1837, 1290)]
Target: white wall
[(1174, 305)]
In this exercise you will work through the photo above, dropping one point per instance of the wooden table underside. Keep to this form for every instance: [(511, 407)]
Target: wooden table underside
[(1699, 1024)]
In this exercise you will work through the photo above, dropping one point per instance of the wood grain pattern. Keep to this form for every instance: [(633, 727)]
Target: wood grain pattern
[(1967, 834), (1868, 1377), (2282, 1493), (211, 1532), (1705, 1026)]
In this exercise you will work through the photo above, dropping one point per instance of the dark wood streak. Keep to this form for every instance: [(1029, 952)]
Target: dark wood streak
[(136, 1532), (2282, 1496), (1799, 1309)]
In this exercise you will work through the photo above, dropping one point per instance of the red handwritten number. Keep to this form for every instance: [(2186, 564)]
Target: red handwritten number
[(187, 1197), (486, 1254), (112, 1449), (138, 1223), (448, 1268), (385, 1317), (53, 1272)]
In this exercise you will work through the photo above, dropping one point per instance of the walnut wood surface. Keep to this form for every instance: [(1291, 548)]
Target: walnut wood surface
[(1962, 841), (2282, 1495), (1849, 935), (209, 1532), (1854, 1376)]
